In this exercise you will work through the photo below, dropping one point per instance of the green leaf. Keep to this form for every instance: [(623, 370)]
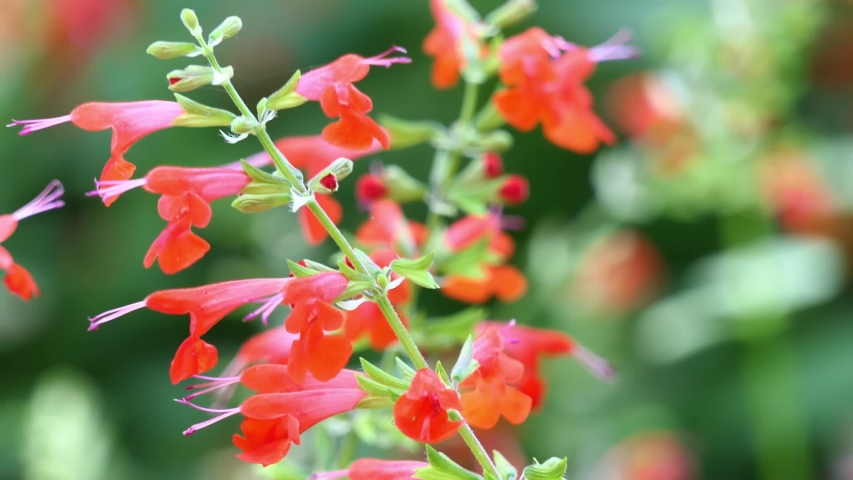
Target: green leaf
[(407, 133), (552, 469), (506, 470), (200, 115), (407, 372), (442, 373), (416, 270), (299, 271), (465, 364), (383, 377), (441, 467)]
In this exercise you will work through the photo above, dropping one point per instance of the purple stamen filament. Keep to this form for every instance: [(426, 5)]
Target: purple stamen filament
[(223, 414), (48, 199), (31, 126), (110, 315), (108, 189), (265, 310)]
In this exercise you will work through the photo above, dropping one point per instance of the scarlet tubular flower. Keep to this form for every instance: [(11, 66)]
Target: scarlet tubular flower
[(421, 413), (545, 76), (130, 122), (490, 394), (312, 315), (375, 469), (282, 410), (185, 203), (528, 345), (444, 43), (207, 305), (17, 279), (332, 86)]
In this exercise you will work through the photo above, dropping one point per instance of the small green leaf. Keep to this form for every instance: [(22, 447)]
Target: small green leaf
[(552, 469), (299, 271), (444, 465), (407, 372), (372, 387), (466, 364), (200, 115), (442, 373), (506, 470), (383, 377), (406, 133), (416, 270)]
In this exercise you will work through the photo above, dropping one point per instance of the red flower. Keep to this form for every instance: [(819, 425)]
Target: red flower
[(332, 86), (369, 188), (421, 413), (312, 315), (130, 121), (282, 410), (515, 190), (313, 230), (185, 203), (444, 42), (491, 395), (375, 469), (505, 282), (529, 344), (493, 165), (207, 305), (17, 279), (545, 76)]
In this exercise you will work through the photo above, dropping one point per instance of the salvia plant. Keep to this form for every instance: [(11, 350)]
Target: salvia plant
[(367, 296)]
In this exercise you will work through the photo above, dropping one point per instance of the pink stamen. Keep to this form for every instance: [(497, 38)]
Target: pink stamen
[(595, 364), (109, 189), (110, 315), (215, 384), (224, 413), (31, 126), (613, 48), (382, 59), (267, 309), (48, 199)]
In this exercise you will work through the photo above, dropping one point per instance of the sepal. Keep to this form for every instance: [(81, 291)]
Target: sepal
[(441, 467), (200, 115), (286, 97), (416, 270), (406, 133), (465, 364), (229, 28), (505, 469), (192, 77), (256, 203), (244, 125), (406, 371), (170, 50), (379, 383), (552, 469), (326, 181)]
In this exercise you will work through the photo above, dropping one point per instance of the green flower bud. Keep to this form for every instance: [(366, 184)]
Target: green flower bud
[(243, 125), (191, 21), (200, 115), (250, 203), (190, 78), (169, 50), (286, 96), (229, 28), (326, 181)]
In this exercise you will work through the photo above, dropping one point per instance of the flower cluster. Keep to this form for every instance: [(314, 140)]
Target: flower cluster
[(297, 372)]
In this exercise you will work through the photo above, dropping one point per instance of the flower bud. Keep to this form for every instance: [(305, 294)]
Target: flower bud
[(511, 13), (243, 125), (190, 78), (251, 203), (369, 188), (170, 50), (229, 28), (191, 21), (200, 115), (492, 164), (514, 190), (497, 141), (327, 180)]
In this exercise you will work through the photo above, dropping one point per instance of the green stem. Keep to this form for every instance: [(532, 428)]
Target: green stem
[(337, 236), (469, 102)]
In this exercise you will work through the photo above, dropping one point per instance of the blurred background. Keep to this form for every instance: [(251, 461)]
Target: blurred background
[(705, 254)]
